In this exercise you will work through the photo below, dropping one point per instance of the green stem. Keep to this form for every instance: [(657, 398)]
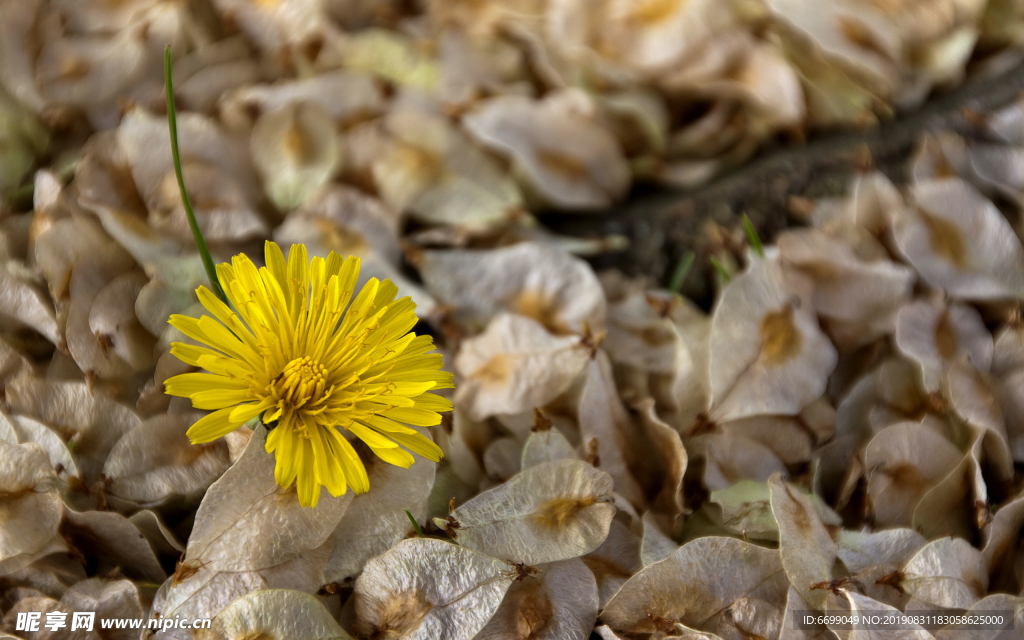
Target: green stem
[(197, 233), (752, 238), (682, 270), (723, 272), (415, 525)]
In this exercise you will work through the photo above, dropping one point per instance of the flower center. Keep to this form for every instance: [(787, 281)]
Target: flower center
[(301, 384)]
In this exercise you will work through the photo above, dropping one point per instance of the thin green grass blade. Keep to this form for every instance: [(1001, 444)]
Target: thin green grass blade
[(723, 273), (682, 270), (415, 525), (752, 238)]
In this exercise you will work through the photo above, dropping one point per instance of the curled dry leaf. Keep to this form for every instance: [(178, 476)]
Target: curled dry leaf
[(390, 55), (196, 591), (697, 586), (87, 417), (559, 603), (346, 95), (502, 459), (770, 355), (840, 33), (275, 614), (863, 604), (516, 365), (108, 599), (29, 502), (999, 168), (972, 396), (953, 507), (847, 289), (565, 156), (296, 151), (903, 462), (155, 461), (1001, 546), (667, 464), (546, 446), (377, 519), (529, 278), (807, 549), (115, 326), (731, 458), (430, 169), (958, 241), (222, 186), (746, 509), (609, 429), (203, 75), (553, 511), (640, 335), (94, 279), (284, 30), (113, 541), (859, 550), (789, 438), (22, 300), (16, 429), (247, 523), (618, 557), (934, 335), (655, 546), (947, 573), (426, 589), (162, 540)]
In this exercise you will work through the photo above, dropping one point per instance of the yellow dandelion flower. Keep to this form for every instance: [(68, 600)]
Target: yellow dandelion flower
[(287, 349)]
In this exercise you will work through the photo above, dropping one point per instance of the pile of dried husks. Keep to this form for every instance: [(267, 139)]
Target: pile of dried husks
[(840, 433)]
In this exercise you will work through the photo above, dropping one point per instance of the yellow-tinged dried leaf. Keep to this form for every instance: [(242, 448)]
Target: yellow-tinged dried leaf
[(698, 586), (531, 279), (514, 366), (553, 511), (904, 461), (296, 151), (424, 589), (30, 507), (565, 156), (377, 519), (947, 573), (934, 335), (156, 461), (274, 614), (558, 603), (957, 240), (246, 522), (768, 355), (807, 549)]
